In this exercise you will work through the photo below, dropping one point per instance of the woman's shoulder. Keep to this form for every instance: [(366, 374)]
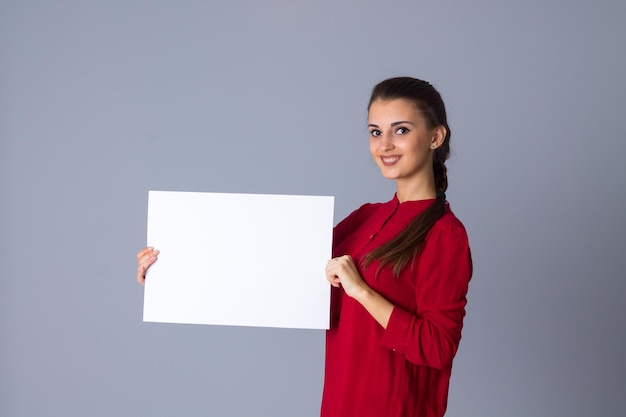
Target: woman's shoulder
[(355, 219), (368, 208), (365, 211), (449, 224)]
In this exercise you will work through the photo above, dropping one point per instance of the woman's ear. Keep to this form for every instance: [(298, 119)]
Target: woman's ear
[(439, 135)]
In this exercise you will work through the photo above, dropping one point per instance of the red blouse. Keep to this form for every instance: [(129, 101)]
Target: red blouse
[(403, 370)]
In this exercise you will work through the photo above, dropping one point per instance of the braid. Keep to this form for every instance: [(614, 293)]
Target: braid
[(403, 248), (439, 160), (441, 175)]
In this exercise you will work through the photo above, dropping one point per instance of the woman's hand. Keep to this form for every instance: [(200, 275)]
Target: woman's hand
[(343, 272), (145, 258)]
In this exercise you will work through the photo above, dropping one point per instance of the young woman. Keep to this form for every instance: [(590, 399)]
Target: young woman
[(399, 272)]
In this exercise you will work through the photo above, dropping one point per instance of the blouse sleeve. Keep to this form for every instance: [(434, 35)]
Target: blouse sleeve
[(431, 335)]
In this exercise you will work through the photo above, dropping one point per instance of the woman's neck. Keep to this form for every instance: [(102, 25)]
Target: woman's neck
[(413, 191)]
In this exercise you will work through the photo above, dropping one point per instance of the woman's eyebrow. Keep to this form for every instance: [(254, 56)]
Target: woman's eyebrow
[(393, 124), (401, 122)]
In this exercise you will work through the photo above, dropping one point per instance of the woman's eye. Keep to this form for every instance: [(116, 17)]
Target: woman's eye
[(402, 131), (375, 133)]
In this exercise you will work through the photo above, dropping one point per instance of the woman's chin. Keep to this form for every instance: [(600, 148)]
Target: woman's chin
[(388, 174)]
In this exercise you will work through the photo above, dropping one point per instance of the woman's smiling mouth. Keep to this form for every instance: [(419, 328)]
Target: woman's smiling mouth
[(389, 160)]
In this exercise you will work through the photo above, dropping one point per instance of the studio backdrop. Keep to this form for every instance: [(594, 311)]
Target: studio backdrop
[(101, 101)]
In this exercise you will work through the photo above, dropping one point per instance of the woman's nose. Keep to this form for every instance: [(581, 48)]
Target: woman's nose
[(386, 142)]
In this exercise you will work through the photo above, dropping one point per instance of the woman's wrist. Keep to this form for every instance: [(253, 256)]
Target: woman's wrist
[(363, 294)]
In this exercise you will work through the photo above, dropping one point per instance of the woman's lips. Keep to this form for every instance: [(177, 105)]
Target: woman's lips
[(389, 160)]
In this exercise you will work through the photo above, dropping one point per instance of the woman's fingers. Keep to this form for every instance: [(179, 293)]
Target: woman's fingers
[(340, 263), (336, 266), (144, 251), (145, 257), (342, 271), (141, 275)]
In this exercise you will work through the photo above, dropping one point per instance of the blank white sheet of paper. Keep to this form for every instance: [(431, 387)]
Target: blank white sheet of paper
[(239, 259)]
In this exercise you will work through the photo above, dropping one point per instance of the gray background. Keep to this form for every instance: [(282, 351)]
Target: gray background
[(101, 101)]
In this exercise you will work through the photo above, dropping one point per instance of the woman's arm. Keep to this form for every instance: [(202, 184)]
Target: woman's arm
[(431, 335)]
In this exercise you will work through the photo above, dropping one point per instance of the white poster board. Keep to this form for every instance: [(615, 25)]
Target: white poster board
[(239, 259)]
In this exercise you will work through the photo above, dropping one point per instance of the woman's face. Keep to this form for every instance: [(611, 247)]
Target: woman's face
[(401, 141)]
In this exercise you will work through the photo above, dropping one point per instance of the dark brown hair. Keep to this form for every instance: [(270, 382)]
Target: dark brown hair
[(403, 248)]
